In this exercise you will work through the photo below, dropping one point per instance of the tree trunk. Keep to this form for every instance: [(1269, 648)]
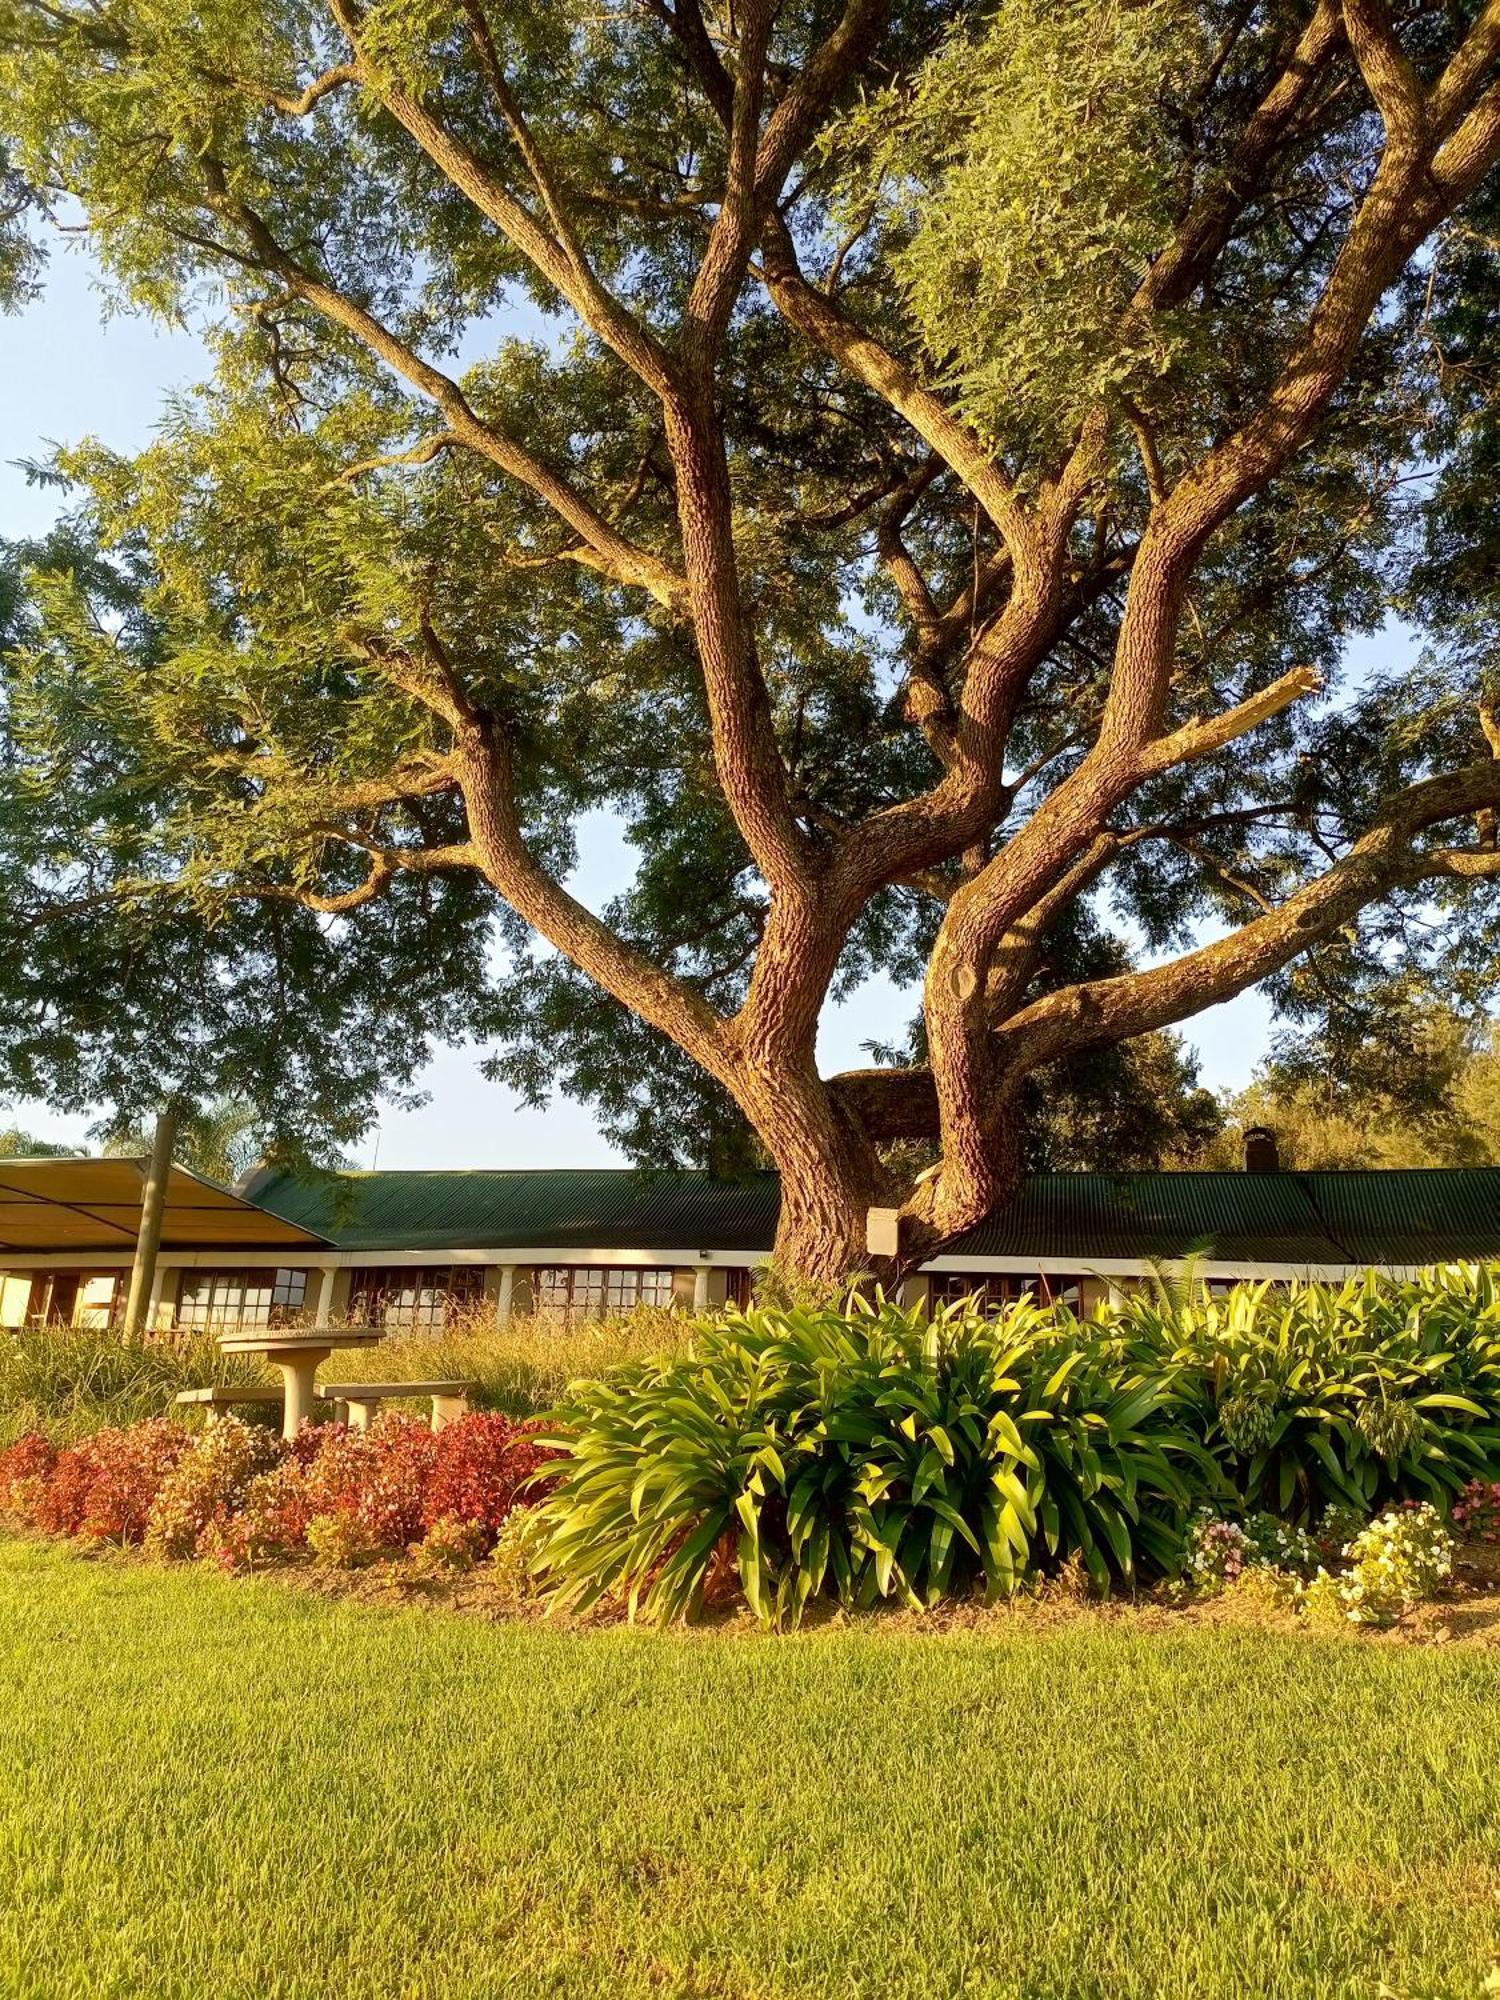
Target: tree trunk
[(957, 1198), (820, 1236), (831, 1175)]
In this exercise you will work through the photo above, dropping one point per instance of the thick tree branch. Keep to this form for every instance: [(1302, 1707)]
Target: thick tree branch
[(604, 547), (1386, 857), (419, 454), (337, 78), (562, 266), (822, 322), (685, 23), (495, 827), (386, 863), (1207, 734)]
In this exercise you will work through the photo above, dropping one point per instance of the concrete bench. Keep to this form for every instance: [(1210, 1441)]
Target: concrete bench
[(222, 1395), (363, 1399)]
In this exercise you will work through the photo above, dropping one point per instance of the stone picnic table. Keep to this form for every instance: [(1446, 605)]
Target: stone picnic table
[(299, 1353)]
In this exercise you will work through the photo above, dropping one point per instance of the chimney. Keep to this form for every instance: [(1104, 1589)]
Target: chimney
[(1261, 1156)]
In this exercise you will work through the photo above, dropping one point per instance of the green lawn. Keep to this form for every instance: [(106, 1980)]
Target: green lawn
[(220, 1788)]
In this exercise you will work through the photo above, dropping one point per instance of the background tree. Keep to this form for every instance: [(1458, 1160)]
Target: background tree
[(921, 464), (18, 1145), (220, 1138), (1410, 1084)]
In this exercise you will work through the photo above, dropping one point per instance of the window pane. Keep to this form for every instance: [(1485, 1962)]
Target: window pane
[(657, 1288), (553, 1290), (421, 1297), (621, 1290)]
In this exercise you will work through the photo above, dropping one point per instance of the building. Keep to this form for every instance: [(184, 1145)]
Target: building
[(409, 1250)]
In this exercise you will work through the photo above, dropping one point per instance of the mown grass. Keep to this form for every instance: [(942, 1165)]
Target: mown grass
[(209, 1786)]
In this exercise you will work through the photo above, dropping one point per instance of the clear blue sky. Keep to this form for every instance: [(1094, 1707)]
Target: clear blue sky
[(66, 372)]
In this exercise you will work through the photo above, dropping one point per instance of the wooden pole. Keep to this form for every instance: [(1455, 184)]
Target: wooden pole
[(153, 1206)]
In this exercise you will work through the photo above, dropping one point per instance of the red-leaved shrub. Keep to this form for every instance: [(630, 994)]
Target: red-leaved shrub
[(206, 1486), (271, 1523), (126, 1471), (234, 1492), (1476, 1510), (30, 1459), (478, 1466), (60, 1499), (376, 1477)]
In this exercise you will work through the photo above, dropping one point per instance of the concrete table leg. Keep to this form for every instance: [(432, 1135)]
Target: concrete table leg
[(363, 1410), (297, 1372)]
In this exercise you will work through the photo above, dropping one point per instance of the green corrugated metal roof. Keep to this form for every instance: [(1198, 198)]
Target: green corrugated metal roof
[(1412, 1215), (1416, 1216), (1257, 1218), (590, 1208)]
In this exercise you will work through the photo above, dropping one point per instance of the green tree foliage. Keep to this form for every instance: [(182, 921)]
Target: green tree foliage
[(917, 467), (1417, 1088), (21, 254), (1029, 161), (18, 1145)]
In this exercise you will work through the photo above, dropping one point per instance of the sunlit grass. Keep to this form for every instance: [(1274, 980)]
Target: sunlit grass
[(522, 1368), (230, 1787), (70, 1382)]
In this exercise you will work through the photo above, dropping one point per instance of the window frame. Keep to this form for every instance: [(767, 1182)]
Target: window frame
[(375, 1295), (602, 1294), (1003, 1288), (283, 1302)]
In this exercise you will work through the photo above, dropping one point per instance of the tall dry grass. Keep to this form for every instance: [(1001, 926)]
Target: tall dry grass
[(71, 1381), (522, 1368)]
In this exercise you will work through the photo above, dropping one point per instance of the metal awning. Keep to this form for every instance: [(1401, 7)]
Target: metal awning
[(65, 1205)]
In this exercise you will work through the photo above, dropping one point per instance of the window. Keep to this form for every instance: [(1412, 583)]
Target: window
[(1000, 1288), (595, 1291), (240, 1298), (53, 1299), (418, 1299), (101, 1297)]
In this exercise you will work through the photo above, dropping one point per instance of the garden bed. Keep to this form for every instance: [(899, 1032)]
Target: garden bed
[(1303, 1450)]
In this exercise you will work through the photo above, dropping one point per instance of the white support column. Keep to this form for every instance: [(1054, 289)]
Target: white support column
[(505, 1299), (700, 1289), (323, 1306)]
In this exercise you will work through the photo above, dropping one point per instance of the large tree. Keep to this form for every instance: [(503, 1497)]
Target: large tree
[(921, 462)]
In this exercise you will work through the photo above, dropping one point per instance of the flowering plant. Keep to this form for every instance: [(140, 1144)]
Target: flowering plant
[(1220, 1553), (1217, 1553), (1396, 1562), (1338, 1528), (1477, 1510)]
